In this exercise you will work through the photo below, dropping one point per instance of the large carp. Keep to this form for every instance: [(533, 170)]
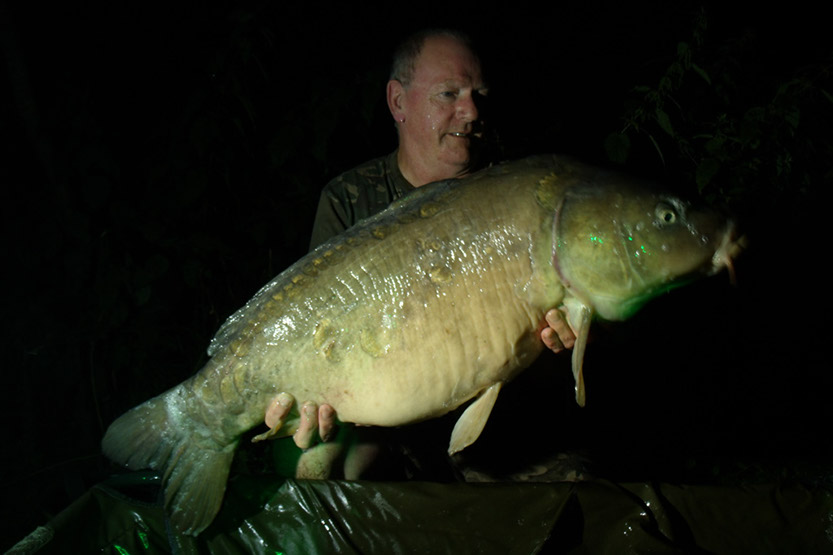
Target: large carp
[(433, 302)]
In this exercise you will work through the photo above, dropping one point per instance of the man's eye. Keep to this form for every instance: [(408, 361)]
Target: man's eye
[(448, 94)]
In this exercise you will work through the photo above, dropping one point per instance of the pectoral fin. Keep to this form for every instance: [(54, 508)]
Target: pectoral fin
[(580, 316), (471, 422)]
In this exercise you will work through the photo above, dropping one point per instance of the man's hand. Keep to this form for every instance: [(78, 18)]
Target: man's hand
[(313, 419), (557, 335)]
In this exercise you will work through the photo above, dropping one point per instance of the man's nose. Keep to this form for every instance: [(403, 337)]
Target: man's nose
[(467, 108)]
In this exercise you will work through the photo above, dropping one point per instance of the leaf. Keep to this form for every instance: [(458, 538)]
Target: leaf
[(702, 73), (715, 144), (792, 115), (664, 122), (656, 146), (617, 146), (706, 171)]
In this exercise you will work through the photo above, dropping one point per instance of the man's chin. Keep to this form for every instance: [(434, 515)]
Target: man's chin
[(460, 157), (458, 167)]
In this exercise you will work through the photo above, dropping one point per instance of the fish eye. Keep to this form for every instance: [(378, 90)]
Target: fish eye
[(665, 214)]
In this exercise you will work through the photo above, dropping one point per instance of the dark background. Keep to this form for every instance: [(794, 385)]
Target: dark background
[(162, 163)]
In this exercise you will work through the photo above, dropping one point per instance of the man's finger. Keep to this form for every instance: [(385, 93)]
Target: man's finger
[(551, 340), (278, 409), (305, 435), (326, 421), (558, 323)]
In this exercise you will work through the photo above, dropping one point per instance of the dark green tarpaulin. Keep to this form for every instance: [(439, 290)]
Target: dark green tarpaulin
[(423, 517)]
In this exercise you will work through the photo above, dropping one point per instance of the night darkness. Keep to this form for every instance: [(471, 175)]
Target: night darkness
[(164, 163)]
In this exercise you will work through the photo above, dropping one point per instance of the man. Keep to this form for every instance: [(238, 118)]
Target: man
[(433, 94)]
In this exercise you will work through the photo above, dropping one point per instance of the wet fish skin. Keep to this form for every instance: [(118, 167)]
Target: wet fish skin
[(385, 322)]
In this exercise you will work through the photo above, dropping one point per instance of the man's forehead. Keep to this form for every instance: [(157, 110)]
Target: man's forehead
[(454, 84), (447, 60)]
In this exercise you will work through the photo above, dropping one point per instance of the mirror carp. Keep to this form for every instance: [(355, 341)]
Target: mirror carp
[(431, 303)]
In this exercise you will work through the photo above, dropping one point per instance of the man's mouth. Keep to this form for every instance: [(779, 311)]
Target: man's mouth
[(466, 135)]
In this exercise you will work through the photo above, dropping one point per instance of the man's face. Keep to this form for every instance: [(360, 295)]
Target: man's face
[(439, 106)]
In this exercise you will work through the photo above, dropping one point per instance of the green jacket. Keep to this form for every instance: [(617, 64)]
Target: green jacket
[(358, 194)]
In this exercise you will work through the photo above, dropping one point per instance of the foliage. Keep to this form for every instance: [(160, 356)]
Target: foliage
[(744, 133)]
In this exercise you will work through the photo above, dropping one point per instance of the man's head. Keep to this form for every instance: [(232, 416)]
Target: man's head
[(435, 85)]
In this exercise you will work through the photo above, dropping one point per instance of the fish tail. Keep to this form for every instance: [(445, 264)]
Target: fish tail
[(194, 465)]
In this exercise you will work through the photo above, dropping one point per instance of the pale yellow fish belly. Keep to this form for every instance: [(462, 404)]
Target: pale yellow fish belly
[(442, 355)]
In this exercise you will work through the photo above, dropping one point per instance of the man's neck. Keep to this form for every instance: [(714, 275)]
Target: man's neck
[(419, 174)]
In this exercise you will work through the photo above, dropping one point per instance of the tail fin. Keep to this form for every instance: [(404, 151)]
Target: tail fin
[(195, 470)]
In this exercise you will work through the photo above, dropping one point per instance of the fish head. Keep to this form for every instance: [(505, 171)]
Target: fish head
[(618, 245)]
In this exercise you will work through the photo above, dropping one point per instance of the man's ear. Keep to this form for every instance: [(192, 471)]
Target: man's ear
[(396, 100)]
